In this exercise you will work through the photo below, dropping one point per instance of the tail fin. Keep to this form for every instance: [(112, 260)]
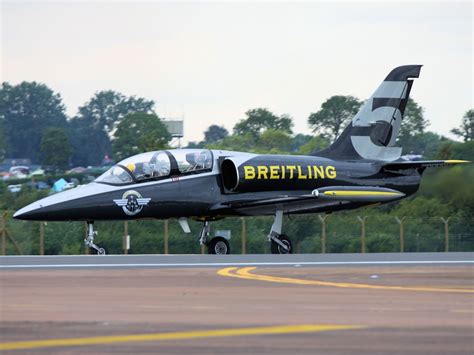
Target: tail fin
[(374, 129)]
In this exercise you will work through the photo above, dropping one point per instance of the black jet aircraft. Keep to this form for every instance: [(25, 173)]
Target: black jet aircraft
[(362, 167)]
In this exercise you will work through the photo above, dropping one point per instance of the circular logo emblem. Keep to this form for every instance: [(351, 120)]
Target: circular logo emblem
[(132, 202)]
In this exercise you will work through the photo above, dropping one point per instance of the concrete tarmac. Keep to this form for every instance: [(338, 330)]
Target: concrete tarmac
[(413, 304), (187, 261)]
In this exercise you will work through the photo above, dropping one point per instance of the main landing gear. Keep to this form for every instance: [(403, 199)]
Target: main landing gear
[(217, 245), (89, 241), (280, 243)]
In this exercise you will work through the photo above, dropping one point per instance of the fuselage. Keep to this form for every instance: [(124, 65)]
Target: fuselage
[(204, 193)]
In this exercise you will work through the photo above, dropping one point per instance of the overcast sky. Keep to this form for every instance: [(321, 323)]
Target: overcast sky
[(210, 62)]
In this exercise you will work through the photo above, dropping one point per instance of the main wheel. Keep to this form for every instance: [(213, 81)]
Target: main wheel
[(101, 251), (278, 249), (219, 246)]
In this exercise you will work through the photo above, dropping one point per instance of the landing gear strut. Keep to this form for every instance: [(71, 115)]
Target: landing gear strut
[(217, 245), (280, 244), (89, 241)]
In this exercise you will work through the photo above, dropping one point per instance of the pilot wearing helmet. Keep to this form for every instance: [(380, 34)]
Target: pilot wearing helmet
[(140, 170)]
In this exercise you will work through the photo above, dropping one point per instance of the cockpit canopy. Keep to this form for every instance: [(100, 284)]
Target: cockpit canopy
[(158, 165)]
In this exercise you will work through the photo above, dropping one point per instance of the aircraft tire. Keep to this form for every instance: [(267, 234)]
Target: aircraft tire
[(219, 246), (101, 251), (277, 249)]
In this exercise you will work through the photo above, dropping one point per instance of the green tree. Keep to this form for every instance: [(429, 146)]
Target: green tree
[(107, 108), (3, 143), (215, 133), (274, 142), (91, 129), (316, 144), (260, 119), (26, 110), (245, 142), (299, 140), (413, 123), (334, 115), (456, 150), (426, 144), (466, 130), (90, 144), (55, 148), (137, 133)]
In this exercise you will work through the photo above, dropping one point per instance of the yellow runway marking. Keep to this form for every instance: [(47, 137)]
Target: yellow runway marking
[(113, 339), (245, 273)]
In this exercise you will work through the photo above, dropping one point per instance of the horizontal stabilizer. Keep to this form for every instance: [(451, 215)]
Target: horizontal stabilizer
[(401, 165)]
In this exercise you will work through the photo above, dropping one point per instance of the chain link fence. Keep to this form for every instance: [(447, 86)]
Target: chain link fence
[(334, 233)]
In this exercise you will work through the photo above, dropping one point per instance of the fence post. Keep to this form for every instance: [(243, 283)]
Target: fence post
[(41, 238), (323, 232), (86, 248), (125, 237), (244, 236), (446, 233), (362, 232), (4, 233), (402, 233), (166, 237)]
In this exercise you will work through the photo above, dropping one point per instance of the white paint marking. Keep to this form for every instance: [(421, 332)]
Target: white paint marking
[(315, 263)]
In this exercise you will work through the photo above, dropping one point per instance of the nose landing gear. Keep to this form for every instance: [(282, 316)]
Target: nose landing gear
[(89, 241)]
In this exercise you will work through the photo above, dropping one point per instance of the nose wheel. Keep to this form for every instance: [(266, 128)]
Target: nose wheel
[(89, 241)]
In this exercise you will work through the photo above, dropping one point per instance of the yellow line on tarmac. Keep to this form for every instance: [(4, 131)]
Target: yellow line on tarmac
[(113, 339), (245, 273)]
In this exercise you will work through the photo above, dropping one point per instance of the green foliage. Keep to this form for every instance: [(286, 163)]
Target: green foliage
[(260, 119), (137, 133), (26, 110), (427, 144), (455, 150), (334, 115), (90, 144), (274, 141), (423, 207), (90, 130), (414, 122), (215, 133), (315, 144), (298, 141), (107, 108), (3, 142), (243, 142), (466, 130), (271, 141), (452, 187), (55, 149)]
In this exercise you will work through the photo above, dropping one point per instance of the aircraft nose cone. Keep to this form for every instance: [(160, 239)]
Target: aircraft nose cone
[(61, 206), (32, 212)]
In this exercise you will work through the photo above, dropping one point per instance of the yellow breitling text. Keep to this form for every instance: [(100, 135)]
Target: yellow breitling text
[(282, 172)]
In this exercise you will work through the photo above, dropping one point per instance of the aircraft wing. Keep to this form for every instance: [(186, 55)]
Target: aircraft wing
[(318, 198), (401, 165)]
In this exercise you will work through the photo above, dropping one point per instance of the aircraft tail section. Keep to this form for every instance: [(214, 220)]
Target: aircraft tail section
[(374, 129)]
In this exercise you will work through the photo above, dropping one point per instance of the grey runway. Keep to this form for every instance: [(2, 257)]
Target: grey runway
[(192, 261)]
